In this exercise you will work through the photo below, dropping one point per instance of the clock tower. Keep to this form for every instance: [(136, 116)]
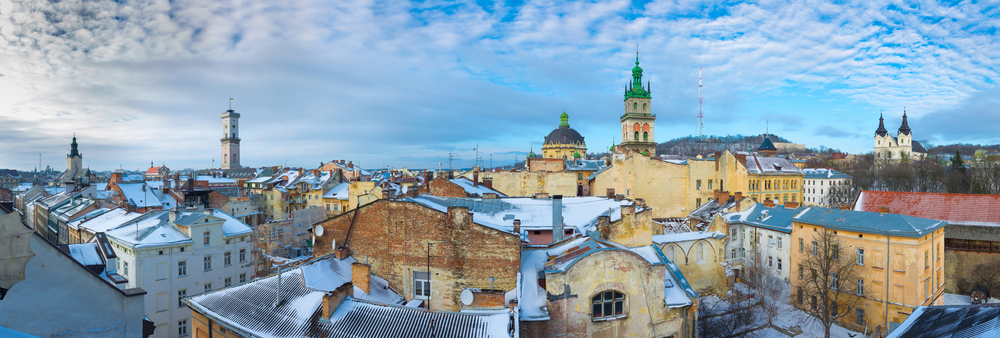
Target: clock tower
[(637, 122), (230, 139)]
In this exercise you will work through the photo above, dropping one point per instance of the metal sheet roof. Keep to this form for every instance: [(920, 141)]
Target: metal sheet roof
[(869, 222)]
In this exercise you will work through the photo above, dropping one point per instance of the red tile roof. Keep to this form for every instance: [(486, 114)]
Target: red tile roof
[(153, 171), (965, 209)]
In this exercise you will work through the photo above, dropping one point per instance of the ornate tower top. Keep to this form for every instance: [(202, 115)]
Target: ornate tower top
[(635, 88), (905, 128), (73, 151), (881, 131), (564, 118)]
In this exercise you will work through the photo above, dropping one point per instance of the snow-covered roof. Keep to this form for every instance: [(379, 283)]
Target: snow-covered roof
[(215, 179), (776, 218), (339, 191), (474, 189), (359, 318), (771, 165), (535, 214), (107, 220), (139, 194), (86, 254), (823, 173), (329, 274), (584, 165), (261, 179), (951, 321), (155, 229)]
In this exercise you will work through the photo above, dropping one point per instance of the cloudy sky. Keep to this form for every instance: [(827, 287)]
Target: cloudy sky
[(394, 83)]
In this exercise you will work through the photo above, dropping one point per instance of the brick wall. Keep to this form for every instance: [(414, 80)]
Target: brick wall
[(444, 188), (393, 237)]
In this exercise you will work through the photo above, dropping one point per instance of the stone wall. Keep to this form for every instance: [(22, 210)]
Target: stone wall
[(393, 237), (529, 183)]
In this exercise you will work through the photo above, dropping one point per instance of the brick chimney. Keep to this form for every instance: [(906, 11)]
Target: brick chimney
[(791, 205), (343, 252), (769, 203), (517, 226), (604, 226), (488, 182), (844, 206), (723, 197), (715, 194), (611, 193), (739, 196), (619, 197), (361, 276), (332, 300), (883, 210), (628, 210), (475, 178)]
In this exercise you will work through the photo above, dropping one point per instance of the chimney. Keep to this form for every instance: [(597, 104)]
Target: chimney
[(343, 252), (715, 194), (883, 210), (517, 226), (277, 297), (723, 197), (557, 221), (604, 226), (611, 193), (768, 203), (619, 197), (174, 213), (70, 186), (640, 202), (475, 178), (488, 182), (627, 210), (791, 205), (844, 206), (540, 195), (361, 276), (332, 299), (739, 196), (451, 175)]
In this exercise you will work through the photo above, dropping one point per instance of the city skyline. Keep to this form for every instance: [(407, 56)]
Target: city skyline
[(404, 84)]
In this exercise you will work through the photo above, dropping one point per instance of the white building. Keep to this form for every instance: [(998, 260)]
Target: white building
[(762, 233), (817, 185), (899, 148), (177, 254)]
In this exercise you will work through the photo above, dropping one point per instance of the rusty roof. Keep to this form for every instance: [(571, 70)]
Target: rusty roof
[(966, 209)]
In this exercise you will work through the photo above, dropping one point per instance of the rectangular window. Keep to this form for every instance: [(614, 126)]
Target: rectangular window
[(697, 203), (125, 268), (927, 290), (243, 277), (182, 269), (421, 285), (709, 184), (779, 243), (800, 270), (861, 256), (770, 262), (229, 281), (180, 297), (835, 251), (815, 248), (208, 287), (927, 261), (208, 262), (697, 185), (161, 302), (861, 287), (243, 255), (859, 316), (207, 237), (800, 296), (227, 258), (182, 328), (779, 264), (802, 245), (734, 235), (770, 240), (834, 281)]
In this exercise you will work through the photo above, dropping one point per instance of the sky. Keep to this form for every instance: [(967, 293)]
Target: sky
[(405, 84)]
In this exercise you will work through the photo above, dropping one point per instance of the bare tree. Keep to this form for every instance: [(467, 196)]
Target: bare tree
[(838, 195), (766, 285), (831, 285), (985, 177)]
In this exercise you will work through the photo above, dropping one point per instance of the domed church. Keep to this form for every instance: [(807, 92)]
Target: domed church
[(564, 142)]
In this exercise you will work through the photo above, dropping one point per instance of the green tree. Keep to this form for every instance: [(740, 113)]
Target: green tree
[(958, 179)]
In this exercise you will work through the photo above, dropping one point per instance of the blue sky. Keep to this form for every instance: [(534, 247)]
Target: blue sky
[(393, 83)]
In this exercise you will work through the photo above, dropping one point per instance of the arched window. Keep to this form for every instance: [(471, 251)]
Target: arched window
[(645, 136), (609, 305), (643, 107), (636, 136), (225, 157), (635, 105)]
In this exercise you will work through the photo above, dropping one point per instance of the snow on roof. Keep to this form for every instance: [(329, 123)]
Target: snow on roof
[(329, 274), (359, 318), (107, 220), (215, 179), (578, 212), (473, 189), (139, 194), (231, 226), (776, 218), (771, 165), (687, 236), (869, 222), (584, 165), (86, 253), (339, 191), (151, 229), (673, 298), (823, 173), (949, 321), (261, 179), (965, 209)]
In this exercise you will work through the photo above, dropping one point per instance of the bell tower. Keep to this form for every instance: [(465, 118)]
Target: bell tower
[(230, 139), (637, 121)]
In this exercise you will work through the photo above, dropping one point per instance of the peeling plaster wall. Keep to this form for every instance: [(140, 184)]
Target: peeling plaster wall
[(706, 276), (529, 183), (570, 294)]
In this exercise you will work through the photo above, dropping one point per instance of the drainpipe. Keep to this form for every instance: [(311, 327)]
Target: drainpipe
[(557, 226), (887, 238)]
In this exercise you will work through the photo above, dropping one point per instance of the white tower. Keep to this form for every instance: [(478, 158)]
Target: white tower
[(230, 139)]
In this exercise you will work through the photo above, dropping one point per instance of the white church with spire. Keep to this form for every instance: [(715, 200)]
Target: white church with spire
[(899, 148)]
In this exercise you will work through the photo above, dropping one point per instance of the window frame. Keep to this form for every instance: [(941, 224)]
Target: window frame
[(617, 304), (182, 268), (861, 257), (207, 238), (182, 328), (425, 284), (207, 260), (243, 255), (181, 294), (227, 258)]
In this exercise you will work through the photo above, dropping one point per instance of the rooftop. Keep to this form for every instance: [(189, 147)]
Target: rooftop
[(771, 165), (823, 173), (869, 222), (965, 209), (951, 321), (340, 191), (473, 189), (776, 218), (155, 229)]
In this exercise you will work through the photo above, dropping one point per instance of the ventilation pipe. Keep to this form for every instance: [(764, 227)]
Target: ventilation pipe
[(557, 221)]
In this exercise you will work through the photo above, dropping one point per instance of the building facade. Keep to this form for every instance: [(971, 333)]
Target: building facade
[(564, 142), (820, 184)]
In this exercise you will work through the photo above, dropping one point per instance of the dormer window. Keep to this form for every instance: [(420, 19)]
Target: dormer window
[(609, 305), (208, 236)]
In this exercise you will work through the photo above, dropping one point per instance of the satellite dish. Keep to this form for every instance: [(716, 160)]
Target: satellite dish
[(467, 297), (405, 188), (319, 231)]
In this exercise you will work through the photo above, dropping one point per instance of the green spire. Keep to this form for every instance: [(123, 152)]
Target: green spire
[(565, 119), (636, 89), (73, 151)]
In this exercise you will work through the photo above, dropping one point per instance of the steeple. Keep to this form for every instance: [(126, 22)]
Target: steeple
[(905, 128), (564, 118), (635, 88), (73, 151), (881, 131)]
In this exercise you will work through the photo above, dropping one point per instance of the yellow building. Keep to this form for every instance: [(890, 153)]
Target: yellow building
[(335, 201), (564, 142), (900, 260), (671, 188), (772, 177)]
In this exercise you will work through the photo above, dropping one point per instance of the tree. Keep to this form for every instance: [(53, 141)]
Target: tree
[(766, 285), (838, 195), (958, 181), (829, 287)]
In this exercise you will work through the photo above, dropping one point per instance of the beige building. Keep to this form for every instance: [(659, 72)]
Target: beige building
[(564, 142)]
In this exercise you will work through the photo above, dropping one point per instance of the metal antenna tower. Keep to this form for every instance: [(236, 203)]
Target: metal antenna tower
[(701, 115)]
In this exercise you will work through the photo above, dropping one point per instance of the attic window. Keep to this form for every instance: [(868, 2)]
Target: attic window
[(777, 166)]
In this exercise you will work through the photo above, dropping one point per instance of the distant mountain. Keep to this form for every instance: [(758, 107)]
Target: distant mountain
[(694, 145), (965, 149)]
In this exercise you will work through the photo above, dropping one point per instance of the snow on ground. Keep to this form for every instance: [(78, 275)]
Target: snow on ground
[(788, 318), (953, 299)]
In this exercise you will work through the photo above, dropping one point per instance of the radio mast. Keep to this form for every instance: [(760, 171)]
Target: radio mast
[(701, 115)]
